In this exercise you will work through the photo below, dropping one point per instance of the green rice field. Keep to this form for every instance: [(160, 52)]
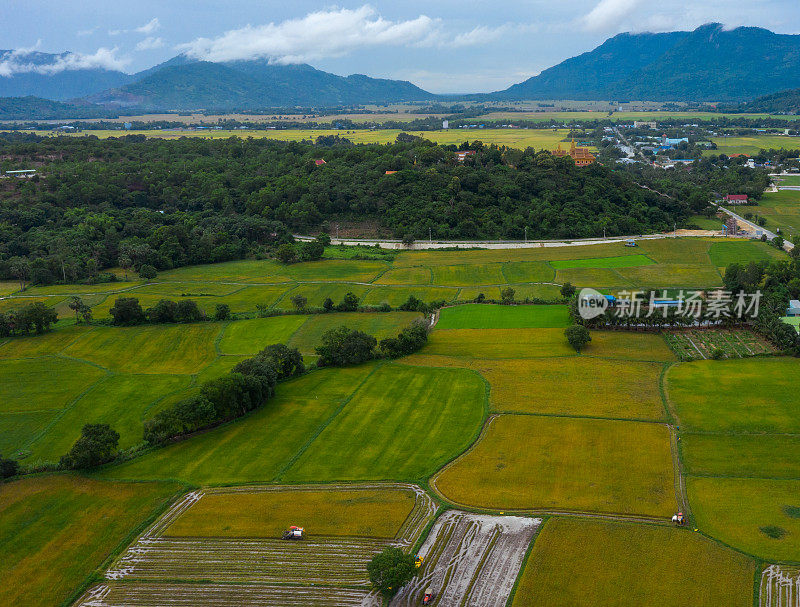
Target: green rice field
[(496, 414)]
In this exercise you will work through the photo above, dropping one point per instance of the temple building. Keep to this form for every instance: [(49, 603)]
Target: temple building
[(582, 156)]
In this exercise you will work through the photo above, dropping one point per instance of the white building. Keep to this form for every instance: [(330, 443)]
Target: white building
[(445, 124)]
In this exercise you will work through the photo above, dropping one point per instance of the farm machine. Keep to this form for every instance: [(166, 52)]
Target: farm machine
[(428, 597), (294, 533)]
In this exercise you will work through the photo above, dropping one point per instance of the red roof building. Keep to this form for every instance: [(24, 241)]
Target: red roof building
[(736, 199), (462, 156), (320, 161)]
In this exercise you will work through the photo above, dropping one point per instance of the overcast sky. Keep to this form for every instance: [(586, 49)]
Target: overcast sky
[(445, 46)]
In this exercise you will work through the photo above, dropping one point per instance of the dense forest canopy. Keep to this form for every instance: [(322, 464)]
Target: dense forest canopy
[(174, 202)]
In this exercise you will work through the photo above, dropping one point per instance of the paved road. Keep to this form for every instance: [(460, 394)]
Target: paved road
[(788, 246), (497, 244)]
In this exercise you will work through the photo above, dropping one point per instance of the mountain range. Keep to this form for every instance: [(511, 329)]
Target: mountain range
[(710, 63), (707, 64)]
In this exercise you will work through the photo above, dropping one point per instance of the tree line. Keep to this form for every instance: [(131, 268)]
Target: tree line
[(777, 282), (130, 201)]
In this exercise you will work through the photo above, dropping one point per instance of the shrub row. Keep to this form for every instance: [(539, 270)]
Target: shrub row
[(342, 346), (248, 386)]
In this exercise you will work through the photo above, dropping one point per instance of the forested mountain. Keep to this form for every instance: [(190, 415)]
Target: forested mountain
[(708, 64), (184, 84), (188, 201), (785, 102), (32, 79)]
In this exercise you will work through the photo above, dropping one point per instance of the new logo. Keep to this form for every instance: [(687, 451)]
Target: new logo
[(591, 303)]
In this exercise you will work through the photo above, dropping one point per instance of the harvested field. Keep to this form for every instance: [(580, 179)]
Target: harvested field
[(470, 559), (780, 586), (695, 344), (214, 567), (223, 595)]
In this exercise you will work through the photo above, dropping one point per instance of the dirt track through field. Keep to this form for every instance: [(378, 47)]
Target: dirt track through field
[(470, 560), (780, 586), (220, 571)]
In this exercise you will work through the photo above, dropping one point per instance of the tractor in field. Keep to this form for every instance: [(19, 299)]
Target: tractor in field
[(294, 533), (679, 519), (418, 561), (427, 597)]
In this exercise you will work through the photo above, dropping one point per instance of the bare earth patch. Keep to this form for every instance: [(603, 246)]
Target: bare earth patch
[(470, 559), (252, 570), (780, 586)]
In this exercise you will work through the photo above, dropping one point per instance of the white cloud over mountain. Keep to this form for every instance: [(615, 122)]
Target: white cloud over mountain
[(329, 33)]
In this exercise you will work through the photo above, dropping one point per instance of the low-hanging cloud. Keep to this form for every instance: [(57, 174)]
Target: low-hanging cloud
[(321, 34), (149, 44), (20, 62), (149, 27), (608, 14)]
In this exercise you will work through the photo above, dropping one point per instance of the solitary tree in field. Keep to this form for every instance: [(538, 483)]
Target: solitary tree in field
[(222, 312), (8, 467), (349, 302), (507, 295), (21, 268), (390, 569), (299, 302), (578, 336), (82, 311), (147, 272), (567, 290), (125, 263)]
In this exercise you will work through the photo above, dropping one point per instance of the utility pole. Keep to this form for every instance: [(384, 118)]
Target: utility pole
[(526, 233), (604, 233), (430, 237)]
